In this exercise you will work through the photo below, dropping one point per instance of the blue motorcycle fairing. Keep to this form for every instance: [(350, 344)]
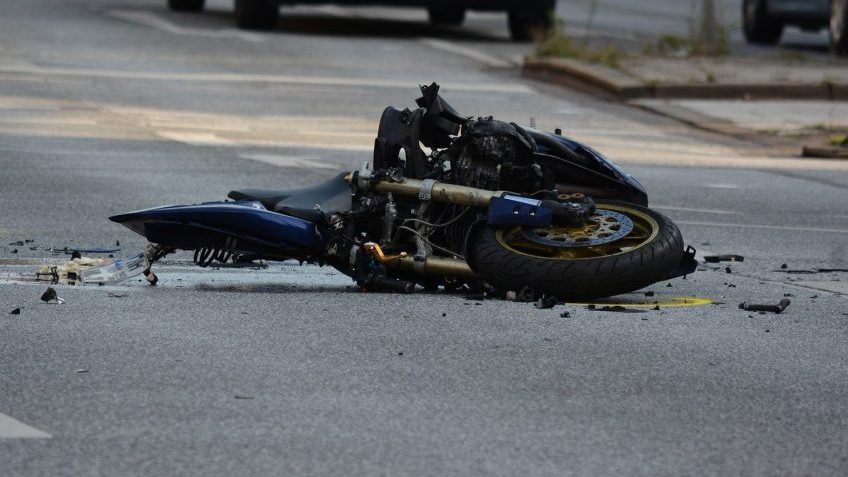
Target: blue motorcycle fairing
[(588, 170), (245, 226)]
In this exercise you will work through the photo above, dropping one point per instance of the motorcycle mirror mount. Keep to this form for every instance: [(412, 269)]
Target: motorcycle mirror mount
[(363, 177)]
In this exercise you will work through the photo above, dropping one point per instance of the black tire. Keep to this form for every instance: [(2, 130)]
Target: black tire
[(581, 278), (256, 14), (838, 26), (446, 15), (759, 28), (186, 5), (527, 23)]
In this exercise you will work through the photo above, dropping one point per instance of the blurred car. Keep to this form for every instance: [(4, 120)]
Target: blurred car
[(525, 17), (763, 20)]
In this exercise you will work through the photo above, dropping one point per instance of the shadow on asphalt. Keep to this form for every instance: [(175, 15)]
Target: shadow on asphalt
[(805, 48), (326, 25)]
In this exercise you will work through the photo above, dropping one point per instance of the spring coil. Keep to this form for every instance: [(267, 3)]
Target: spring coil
[(205, 256)]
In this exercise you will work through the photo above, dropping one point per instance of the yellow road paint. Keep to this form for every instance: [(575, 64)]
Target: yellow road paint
[(650, 302)]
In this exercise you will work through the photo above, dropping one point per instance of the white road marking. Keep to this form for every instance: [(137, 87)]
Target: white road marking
[(471, 53), (46, 120), (764, 227), (336, 11), (721, 186), (11, 428), (831, 286), (195, 138), (692, 209), (480, 87), (291, 161), (154, 21)]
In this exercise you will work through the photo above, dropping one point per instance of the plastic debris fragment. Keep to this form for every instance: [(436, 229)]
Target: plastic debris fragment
[(50, 296), (114, 271), (763, 308)]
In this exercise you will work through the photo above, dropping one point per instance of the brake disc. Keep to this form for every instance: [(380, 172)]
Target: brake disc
[(604, 226)]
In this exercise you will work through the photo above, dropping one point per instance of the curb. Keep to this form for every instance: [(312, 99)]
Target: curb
[(605, 81)]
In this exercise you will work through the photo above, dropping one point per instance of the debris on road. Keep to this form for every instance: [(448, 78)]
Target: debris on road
[(833, 152), (723, 258), (16, 311), (772, 308), (116, 295), (82, 371), (565, 314), (243, 396), (51, 297), (80, 250), (117, 270), (69, 271), (615, 309), (546, 302)]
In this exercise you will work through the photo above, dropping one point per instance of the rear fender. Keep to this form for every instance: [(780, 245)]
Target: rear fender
[(245, 227)]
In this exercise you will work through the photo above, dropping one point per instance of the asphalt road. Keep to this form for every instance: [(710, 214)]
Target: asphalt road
[(111, 106)]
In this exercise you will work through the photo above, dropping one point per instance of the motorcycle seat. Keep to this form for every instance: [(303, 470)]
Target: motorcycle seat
[(330, 197)]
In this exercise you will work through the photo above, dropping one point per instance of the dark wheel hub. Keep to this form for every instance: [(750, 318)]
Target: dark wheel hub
[(603, 227)]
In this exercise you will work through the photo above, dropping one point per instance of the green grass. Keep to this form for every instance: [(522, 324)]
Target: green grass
[(557, 43)]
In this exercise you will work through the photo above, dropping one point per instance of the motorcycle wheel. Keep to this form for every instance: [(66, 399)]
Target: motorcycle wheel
[(511, 258)]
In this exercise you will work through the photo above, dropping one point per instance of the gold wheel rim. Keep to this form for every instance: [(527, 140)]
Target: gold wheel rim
[(645, 230)]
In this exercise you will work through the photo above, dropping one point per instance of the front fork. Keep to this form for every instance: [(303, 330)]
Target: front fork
[(503, 209), (152, 254)]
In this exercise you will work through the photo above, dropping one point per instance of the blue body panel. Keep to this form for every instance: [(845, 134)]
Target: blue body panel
[(242, 226), (516, 210)]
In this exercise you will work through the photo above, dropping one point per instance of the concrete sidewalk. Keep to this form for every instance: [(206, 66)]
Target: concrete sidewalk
[(791, 76), (781, 117)]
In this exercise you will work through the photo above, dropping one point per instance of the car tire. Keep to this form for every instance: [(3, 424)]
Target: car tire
[(527, 23), (256, 14), (756, 24), (838, 26), (446, 15), (186, 5)]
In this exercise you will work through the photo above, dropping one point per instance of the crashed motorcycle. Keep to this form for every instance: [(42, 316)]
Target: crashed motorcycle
[(447, 201)]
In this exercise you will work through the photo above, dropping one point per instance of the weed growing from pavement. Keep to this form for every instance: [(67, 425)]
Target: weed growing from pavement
[(558, 43), (677, 46)]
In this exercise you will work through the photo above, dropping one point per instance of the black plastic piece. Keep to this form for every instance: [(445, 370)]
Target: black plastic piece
[(723, 258), (330, 197), (687, 264), (772, 308), (441, 120)]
